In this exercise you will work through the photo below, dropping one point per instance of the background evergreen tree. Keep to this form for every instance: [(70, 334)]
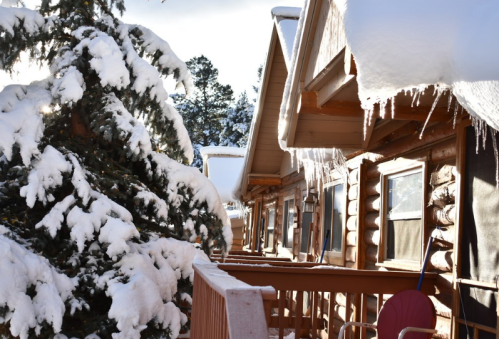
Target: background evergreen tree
[(205, 111), (237, 123), (97, 216)]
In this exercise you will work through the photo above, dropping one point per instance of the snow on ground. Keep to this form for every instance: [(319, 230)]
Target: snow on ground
[(401, 46)]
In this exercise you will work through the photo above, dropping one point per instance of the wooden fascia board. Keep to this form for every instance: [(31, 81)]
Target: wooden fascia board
[(296, 73), (328, 73), (309, 105), (258, 115), (264, 180)]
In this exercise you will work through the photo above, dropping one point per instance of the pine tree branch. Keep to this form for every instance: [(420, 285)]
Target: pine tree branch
[(105, 9)]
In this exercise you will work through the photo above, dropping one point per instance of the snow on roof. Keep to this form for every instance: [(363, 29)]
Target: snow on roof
[(235, 214), (222, 150), (286, 19), (287, 12), (224, 172), (286, 29), (406, 45)]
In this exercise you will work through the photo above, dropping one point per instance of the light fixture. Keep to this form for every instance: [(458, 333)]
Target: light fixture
[(309, 202)]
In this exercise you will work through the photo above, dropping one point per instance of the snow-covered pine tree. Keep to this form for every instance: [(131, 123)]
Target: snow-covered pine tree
[(206, 109), (237, 124), (98, 209)]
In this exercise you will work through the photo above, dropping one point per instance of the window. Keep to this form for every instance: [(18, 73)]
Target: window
[(269, 239), (334, 220), (288, 222), (307, 218), (402, 212)]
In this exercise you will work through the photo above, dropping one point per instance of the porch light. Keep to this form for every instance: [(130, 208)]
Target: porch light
[(309, 203)]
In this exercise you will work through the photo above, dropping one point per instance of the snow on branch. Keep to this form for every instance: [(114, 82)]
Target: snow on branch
[(46, 175), (15, 18), (179, 176), (21, 122), (27, 270), (129, 128), (167, 61), (153, 270), (107, 58)]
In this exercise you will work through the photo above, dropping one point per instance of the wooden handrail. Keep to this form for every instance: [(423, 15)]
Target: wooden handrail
[(219, 300), (330, 279), (249, 257)]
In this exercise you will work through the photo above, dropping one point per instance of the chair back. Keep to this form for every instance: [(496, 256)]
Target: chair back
[(409, 308)]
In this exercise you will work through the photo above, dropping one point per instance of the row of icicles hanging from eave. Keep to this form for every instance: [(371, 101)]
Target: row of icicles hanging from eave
[(319, 163)]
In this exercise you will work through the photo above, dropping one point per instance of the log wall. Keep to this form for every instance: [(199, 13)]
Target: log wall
[(440, 157)]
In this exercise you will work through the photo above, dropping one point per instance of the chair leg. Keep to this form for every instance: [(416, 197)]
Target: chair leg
[(353, 323)]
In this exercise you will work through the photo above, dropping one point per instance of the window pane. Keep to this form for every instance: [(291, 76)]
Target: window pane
[(305, 230), (270, 227), (404, 240), (338, 209), (405, 195), (328, 216), (285, 224), (291, 212)]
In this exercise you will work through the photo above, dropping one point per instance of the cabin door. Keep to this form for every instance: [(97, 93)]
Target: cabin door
[(479, 251)]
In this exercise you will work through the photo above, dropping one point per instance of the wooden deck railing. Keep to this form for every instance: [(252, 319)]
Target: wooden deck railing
[(224, 307), (308, 294), (311, 299)]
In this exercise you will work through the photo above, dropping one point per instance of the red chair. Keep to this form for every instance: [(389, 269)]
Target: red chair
[(410, 312)]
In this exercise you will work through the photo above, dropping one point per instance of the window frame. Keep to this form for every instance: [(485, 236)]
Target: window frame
[(417, 167), (285, 221), (268, 208), (332, 257)]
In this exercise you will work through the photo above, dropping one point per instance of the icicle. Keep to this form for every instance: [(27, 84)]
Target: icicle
[(496, 153), (393, 107), (449, 102), (368, 115), (439, 94), (456, 109), (318, 164)]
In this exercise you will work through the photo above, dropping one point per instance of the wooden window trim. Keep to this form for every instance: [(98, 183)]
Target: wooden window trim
[(413, 167), (335, 258), (268, 207)]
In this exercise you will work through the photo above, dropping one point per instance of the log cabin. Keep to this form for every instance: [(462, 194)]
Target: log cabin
[(404, 176)]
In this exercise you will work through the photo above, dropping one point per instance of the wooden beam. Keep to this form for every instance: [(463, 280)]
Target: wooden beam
[(308, 105), (264, 180)]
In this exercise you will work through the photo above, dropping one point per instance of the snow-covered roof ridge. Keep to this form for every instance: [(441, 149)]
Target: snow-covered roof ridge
[(287, 12), (222, 150)]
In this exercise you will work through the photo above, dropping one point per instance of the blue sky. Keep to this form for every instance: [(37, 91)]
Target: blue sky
[(233, 34)]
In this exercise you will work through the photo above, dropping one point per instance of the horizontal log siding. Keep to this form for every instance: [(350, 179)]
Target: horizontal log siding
[(438, 154)]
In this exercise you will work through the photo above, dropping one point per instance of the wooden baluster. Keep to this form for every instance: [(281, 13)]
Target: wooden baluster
[(380, 304), (298, 312), (282, 303), (363, 316), (348, 312), (315, 318), (330, 321)]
